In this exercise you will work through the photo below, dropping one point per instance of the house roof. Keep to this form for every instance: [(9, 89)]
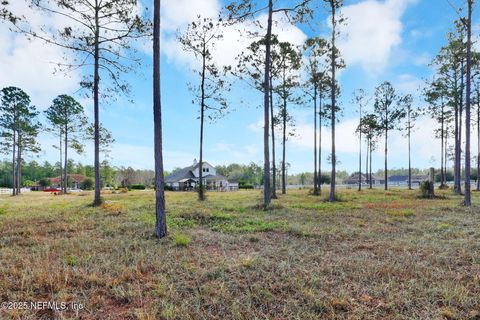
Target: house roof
[(397, 178), (181, 174), (353, 178), (187, 173), (217, 177), (419, 177), (73, 177)]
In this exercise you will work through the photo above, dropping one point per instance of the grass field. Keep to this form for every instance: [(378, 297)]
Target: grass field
[(373, 255)]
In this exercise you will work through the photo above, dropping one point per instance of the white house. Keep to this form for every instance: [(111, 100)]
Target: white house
[(188, 178)]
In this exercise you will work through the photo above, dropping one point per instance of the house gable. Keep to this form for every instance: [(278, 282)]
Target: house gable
[(207, 169)]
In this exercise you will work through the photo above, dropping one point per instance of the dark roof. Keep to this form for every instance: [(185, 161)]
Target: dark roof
[(74, 177), (397, 178), (216, 177), (354, 178), (420, 178), (185, 173)]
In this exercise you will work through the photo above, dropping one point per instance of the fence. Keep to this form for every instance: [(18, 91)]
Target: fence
[(7, 191)]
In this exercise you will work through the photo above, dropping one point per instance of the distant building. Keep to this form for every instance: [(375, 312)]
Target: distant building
[(397, 180), (74, 180), (187, 179), (403, 180), (353, 179)]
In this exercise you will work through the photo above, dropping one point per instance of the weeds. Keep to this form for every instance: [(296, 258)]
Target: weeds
[(374, 255), (181, 240)]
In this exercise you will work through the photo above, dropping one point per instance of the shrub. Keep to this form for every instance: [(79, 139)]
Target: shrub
[(137, 187), (28, 183), (87, 184), (425, 189), (45, 182), (245, 186)]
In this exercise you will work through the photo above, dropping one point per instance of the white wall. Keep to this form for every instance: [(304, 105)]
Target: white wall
[(211, 170)]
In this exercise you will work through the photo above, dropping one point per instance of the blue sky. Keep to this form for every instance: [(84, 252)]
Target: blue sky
[(390, 40)]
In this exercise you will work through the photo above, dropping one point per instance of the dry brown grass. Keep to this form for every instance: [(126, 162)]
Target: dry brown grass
[(373, 255)]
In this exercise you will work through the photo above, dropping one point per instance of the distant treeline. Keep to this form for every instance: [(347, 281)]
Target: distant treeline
[(246, 175), (252, 174), (33, 171)]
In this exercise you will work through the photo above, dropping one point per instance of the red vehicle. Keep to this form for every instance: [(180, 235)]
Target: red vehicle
[(51, 190)]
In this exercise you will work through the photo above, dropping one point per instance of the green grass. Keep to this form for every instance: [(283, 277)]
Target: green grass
[(181, 240), (373, 255)]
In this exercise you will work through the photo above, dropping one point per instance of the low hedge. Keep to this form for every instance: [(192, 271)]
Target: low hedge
[(137, 187)]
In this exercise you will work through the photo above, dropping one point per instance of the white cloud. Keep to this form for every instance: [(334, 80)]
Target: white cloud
[(345, 136), (373, 29), (30, 64), (422, 60), (177, 15), (409, 84), (224, 153), (122, 154)]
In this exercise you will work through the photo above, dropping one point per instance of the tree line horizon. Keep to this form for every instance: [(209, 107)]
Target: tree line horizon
[(267, 65)]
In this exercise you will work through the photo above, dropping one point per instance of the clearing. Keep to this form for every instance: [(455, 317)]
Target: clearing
[(374, 255)]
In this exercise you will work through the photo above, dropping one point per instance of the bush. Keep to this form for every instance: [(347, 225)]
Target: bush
[(28, 183), (245, 186), (425, 189), (45, 182), (87, 184), (325, 179), (137, 187)]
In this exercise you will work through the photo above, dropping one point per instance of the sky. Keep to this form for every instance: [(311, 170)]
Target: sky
[(383, 40)]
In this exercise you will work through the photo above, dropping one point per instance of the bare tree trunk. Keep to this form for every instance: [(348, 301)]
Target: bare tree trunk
[(446, 155), (457, 153), (333, 88), (61, 158), (460, 132), (315, 172), (366, 162), (478, 140), (386, 158), (161, 222), (201, 188), (19, 165), (65, 170), (96, 81), (320, 144), (409, 152), (272, 124), (371, 183), (468, 201), (266, 149), (284, 138), (360, 154), (14, 175), (442, 134)]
